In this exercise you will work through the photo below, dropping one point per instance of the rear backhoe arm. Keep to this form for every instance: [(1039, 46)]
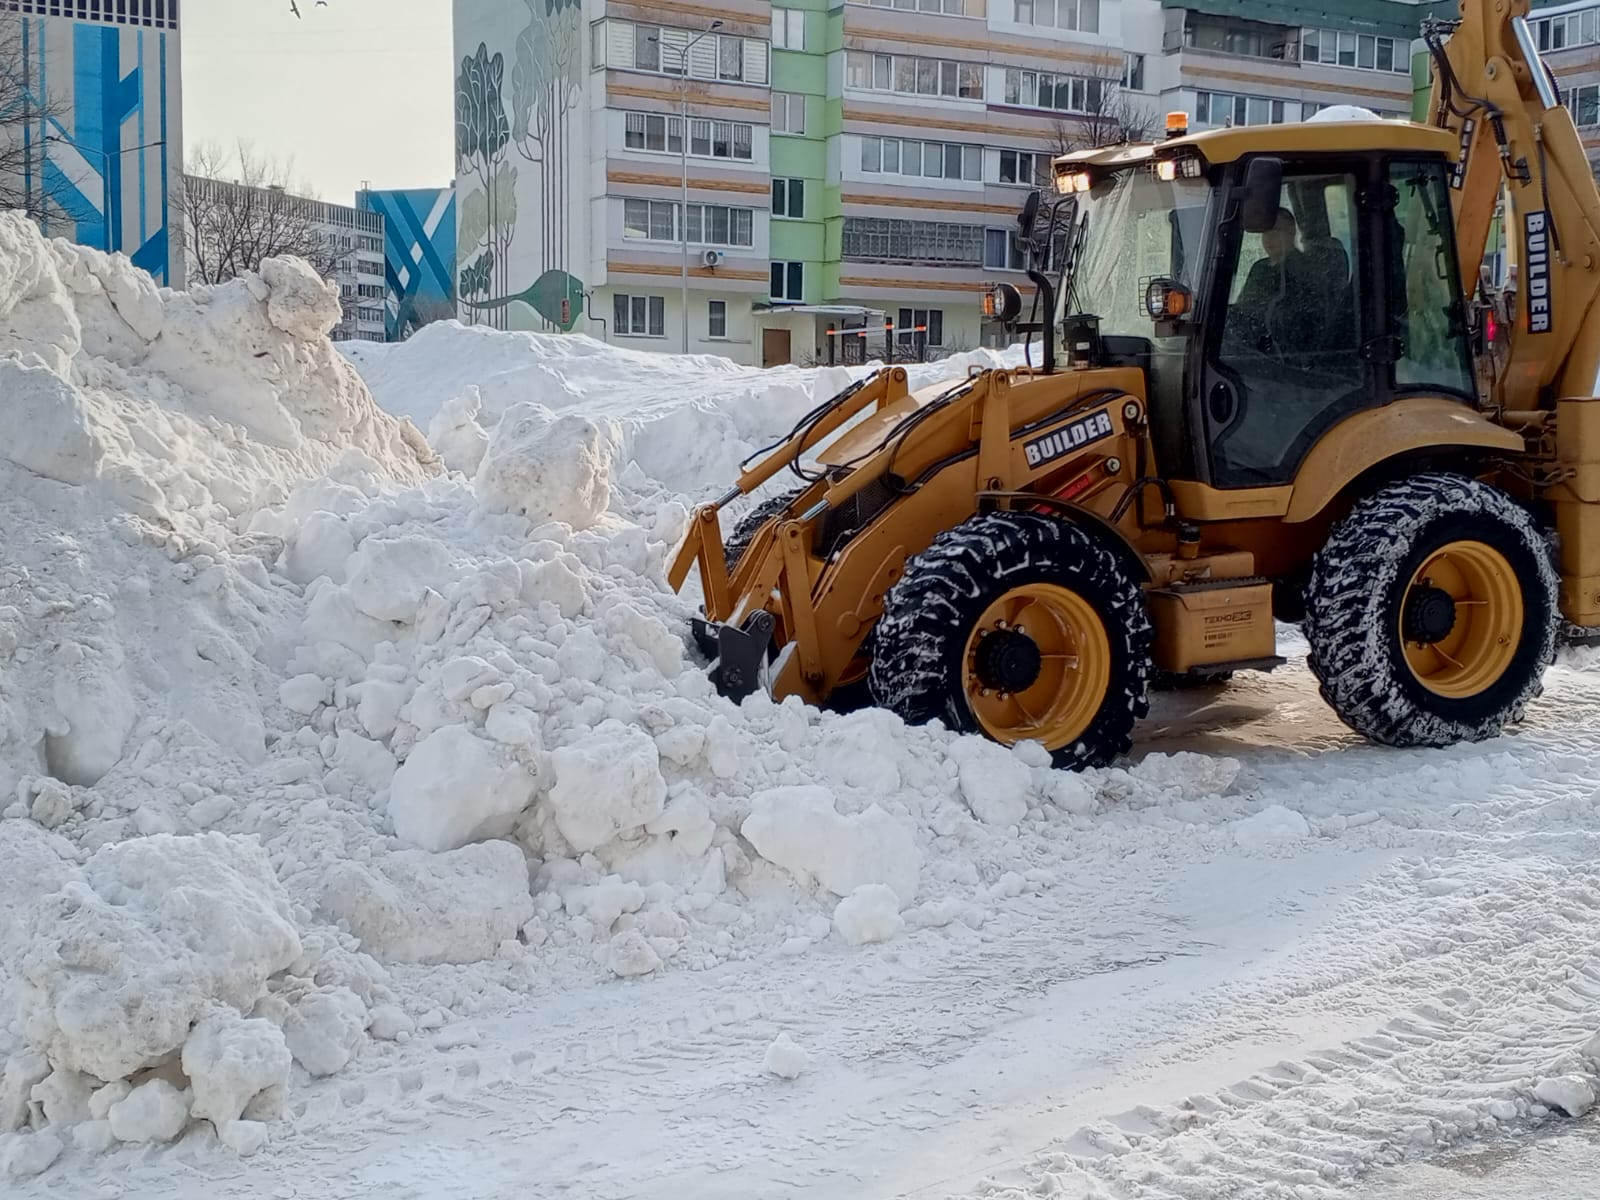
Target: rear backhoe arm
[(1492, 89)]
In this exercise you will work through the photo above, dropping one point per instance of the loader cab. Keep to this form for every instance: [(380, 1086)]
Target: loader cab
[(1272, 285)]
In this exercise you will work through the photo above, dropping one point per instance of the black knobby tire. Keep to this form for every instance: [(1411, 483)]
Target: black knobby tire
[(747, 526), (920, 641), (1354, 599)]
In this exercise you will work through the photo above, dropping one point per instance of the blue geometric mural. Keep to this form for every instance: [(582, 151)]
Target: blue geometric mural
[(109, 138), (419, 252)]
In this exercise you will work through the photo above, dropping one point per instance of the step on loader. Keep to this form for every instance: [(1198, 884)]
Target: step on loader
[(1273, 382)]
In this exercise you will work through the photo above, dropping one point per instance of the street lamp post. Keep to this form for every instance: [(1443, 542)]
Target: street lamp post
[(105, 177), (683, 179)]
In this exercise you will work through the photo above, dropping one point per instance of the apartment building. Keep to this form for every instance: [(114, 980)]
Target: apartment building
[(852, 169), (1569, 38), (93, 121)]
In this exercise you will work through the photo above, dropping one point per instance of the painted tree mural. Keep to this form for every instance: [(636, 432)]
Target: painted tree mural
[(537, 127), (488, 214)]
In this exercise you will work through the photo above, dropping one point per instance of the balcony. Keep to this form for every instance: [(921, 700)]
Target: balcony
[(1230, 38)]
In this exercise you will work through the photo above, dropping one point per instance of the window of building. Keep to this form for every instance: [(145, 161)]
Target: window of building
[(1020, 167), (633, 46), (912, 76), (885, 239), (788, 112), (950, 8), (1225, 108), (1133, 72), (788, 29), (925, 323), (788, 281), (717, 319), (719, 225), (721, 139), (1000, 251), (1079, 16), (789, 198), (1064, 93), (640, 316), (652, 131), (650, 220), (1584, 101), (924, 160), (1568, 30)]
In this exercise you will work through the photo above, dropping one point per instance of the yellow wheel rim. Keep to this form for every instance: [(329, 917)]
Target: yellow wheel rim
[(1467, 650), (1059, 634)]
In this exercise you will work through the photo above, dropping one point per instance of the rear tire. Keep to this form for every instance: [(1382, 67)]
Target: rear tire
[(1089, 646), (1432, 613)]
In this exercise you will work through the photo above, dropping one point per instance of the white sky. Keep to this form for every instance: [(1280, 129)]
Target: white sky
[(359, 90)]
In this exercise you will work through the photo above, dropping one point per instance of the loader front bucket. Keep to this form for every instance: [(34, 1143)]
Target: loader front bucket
[(737, 653)]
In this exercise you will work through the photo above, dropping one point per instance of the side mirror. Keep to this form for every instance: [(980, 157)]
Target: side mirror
[(1029, 215), (1263, 194)]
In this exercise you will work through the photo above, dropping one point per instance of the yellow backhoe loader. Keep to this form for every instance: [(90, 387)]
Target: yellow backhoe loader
[(1268, 386)]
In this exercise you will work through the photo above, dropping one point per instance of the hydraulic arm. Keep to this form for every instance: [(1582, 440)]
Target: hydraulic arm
[(1493, 90)]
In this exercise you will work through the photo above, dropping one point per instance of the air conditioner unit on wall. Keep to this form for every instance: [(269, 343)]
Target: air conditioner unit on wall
[(711, 258)]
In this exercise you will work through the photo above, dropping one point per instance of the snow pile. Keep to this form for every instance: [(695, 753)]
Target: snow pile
[(145, 425), (685, 422), (332, 746)]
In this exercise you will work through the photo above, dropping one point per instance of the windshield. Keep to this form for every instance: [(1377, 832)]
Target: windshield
[(1139, 228)]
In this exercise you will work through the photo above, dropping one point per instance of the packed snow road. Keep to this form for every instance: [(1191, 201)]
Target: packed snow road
[(1198, 1002), (367, 829)]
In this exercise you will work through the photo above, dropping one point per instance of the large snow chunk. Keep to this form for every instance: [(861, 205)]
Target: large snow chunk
[(301, 302), (630, 955), (606, 784), (47, 425), (1272, 826), (546, 468), (325, 1029), (456, 788), (230, 1061), (456, 434), (415, 907), (786, 1058), (1570, 1094), (154, 1111), (23, 1155), (799, 829), (871, 913), (119, 966), (994, 781), (389, 576)]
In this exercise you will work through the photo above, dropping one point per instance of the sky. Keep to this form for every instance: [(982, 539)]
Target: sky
[(354, 92)]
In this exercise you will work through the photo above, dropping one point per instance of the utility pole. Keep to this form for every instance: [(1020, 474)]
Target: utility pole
[(683, 159)]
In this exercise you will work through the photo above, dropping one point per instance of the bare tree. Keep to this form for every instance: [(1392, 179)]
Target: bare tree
[(27, 112), (238, 210), (1112, 113)]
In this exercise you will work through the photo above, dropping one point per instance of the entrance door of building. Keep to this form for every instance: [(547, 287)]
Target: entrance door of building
[(774, 347)]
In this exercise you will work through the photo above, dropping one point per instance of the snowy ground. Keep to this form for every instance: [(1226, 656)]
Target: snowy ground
[(368, 831)]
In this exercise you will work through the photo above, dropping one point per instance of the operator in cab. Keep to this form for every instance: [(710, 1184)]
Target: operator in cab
[(1275, 312)]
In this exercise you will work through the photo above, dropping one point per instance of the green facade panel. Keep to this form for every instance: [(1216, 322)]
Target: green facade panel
[(798, 241), (799, 72), (799, 157)]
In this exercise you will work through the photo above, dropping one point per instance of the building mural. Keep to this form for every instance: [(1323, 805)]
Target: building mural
[(516, 129), (419, 254), (106, 154)]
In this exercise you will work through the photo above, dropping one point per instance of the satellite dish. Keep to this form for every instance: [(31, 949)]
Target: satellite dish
[(1343, 112)]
